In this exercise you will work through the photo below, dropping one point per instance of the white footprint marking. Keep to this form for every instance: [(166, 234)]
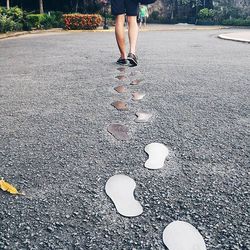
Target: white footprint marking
[(142, 117), (137, 96), (120, 188), (180, 235), (157, 153)]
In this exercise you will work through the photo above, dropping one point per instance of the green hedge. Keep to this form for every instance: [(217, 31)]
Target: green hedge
[(35, 20), (236, 22), (205, 22), (46, 21)]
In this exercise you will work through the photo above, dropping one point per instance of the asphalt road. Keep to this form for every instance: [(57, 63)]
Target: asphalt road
[(56, 92)]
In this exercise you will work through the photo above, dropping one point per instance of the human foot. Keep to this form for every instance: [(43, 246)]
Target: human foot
[(132, 58), (122, 61)]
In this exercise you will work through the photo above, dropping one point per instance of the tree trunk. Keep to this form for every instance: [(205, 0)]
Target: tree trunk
[(7, 4), (77, 5), (172, 10), (41, 6)]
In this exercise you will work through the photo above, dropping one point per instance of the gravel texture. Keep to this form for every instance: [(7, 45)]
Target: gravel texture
[(56, 92)]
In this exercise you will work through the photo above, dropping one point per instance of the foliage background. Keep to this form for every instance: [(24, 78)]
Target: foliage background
[(227, 12), (66, 6)]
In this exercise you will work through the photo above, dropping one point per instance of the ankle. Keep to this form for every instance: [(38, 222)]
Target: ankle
[(123, 56)]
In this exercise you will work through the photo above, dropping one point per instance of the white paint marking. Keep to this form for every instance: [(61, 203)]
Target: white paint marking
[(157, 153), (180, 235), (120, 188), (137, 96), (143, 117)]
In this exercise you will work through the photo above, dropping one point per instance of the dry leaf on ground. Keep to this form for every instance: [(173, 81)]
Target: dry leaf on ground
[(5, 186)]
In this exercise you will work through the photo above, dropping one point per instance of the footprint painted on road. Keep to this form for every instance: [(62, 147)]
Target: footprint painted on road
[(157, 153), (119, 131), (121, 78), (121, 69), (120, 188), (142, 117), (137, 96), (120, 105), (136, 82), (120, 89), (136, 72), (180, 235)]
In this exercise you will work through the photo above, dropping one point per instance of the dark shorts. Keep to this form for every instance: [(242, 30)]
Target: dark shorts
[(143, 19), (128, 7)]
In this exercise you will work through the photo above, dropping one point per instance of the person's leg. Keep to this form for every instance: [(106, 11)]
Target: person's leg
[(132, 33), (118, 10), (120, 34), (132, 12)]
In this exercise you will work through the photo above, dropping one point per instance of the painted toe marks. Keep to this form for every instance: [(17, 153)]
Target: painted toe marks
[(136, 72), (121, 77), (137, 96), (120, 188), (119, 131), (120, 89), (157, 153), (121, 69), (136, 82), (143, 117), (120, 105), (180, 235)]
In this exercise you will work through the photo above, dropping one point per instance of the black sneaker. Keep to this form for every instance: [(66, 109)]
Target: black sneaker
[(132, 59), (122, 61)]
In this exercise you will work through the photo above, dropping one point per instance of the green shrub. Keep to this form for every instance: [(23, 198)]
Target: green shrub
[(206, 14), (45, 21), (7, 24), (3, 11), (57, 15), (26, 24), (11, 19), (35, 20), (4, 23), (230, 12), (58, 19), (236, 22), (18, 26), (25, 21), (53, 19), (204, 22), (15, 13)]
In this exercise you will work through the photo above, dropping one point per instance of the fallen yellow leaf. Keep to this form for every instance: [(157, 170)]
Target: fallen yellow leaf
[(5, 186)]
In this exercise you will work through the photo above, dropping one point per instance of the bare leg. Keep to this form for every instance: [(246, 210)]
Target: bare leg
[(132, 33), (119, 34)]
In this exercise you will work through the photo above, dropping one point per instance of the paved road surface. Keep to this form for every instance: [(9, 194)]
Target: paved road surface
[(55, 94)]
